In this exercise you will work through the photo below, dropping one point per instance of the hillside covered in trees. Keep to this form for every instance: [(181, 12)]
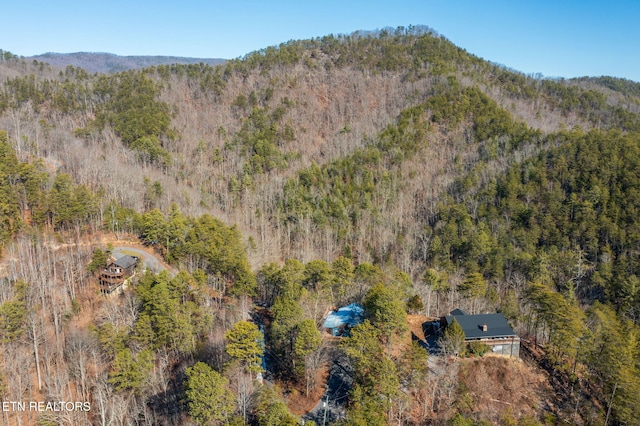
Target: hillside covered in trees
[(390, 168)]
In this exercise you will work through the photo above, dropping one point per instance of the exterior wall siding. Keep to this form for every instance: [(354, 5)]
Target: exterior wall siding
[(113, 278), (509, 347)]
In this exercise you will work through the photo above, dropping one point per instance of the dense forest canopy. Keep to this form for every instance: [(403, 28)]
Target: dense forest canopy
[(388, 168)]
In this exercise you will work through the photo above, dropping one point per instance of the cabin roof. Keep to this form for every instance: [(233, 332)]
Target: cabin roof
[(125, 261), (473, 325)]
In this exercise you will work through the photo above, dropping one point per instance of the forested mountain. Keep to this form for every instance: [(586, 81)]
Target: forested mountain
[(390, 168), (110, 63)]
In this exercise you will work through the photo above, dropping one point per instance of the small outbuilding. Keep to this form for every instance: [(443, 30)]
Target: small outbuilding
[(490, 329), (339, 322)]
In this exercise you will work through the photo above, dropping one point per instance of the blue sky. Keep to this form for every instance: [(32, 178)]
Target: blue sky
[(557, 38)]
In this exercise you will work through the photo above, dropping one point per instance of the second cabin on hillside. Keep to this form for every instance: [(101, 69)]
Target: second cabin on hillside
[(489, 329), (115, 276)]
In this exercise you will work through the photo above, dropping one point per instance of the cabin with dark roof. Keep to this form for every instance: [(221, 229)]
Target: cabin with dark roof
[(490, 329), (115, 276)]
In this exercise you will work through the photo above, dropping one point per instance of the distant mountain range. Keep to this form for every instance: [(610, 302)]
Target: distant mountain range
[(110, 63)]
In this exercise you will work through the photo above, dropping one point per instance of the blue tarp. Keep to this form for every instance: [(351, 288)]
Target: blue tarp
[(350, 315)]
